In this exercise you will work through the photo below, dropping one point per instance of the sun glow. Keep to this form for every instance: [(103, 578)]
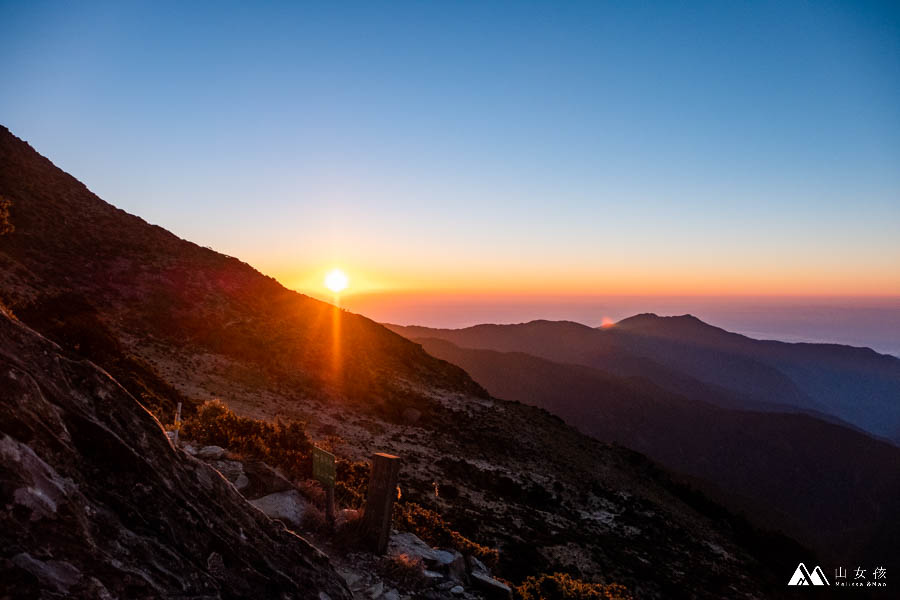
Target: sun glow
[(336, 281)]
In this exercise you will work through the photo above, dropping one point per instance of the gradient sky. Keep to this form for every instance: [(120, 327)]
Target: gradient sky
[(485, 148)]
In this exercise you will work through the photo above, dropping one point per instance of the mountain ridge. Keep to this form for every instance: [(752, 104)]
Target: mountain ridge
[(690, 357)]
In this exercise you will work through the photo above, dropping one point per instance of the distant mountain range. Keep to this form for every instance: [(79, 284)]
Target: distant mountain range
[(703, 362), (787, 468)]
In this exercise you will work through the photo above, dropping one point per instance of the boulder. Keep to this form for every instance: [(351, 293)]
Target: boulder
[(211, 452), (490, 587), (352, 578), (229, 469), (391, 594), (288, 506), (476, 566), (450, 562), (376, 590), (263, 480), (410, 545)]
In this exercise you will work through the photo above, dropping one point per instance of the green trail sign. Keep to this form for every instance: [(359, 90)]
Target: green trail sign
[(323, 467)]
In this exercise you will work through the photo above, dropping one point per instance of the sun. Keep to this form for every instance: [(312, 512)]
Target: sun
[(336, 281)]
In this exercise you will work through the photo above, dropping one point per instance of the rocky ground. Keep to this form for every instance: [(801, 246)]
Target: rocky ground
[(410, 569), (96, 503)]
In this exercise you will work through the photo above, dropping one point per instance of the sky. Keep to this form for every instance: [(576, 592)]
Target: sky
[(490, 149)]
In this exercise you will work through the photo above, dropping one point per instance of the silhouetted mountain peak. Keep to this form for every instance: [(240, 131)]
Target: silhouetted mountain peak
[(654, 320), (681, 327)]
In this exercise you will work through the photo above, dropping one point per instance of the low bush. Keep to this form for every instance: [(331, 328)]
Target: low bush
[(348, 533), (407, 572), (284, 445), (313, 519), (431, 527), (5, 225), (560, 586), (351, 483)]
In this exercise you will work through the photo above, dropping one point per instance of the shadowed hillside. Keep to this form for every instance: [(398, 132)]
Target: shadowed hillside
[(857, 385), (791, 471)]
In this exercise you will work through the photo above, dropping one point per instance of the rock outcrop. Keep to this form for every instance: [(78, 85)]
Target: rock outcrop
[(96, 503), (287, 506)]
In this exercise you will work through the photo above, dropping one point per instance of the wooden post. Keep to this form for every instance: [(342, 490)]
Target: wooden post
[(380, 502), (177, 423), (329, 505)]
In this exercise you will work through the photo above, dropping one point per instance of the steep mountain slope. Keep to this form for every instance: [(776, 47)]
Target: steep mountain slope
[(146, 283), (177, 319), (791, 471), (705, 363), (96, 503)]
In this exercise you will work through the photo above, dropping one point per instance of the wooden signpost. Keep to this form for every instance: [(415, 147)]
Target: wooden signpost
[(380, 502), (323, 472)]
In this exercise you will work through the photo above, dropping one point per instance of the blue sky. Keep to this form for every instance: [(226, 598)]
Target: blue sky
[(710, 148)]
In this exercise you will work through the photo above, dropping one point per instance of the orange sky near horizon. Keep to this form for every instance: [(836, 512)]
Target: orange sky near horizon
[(785, 280)]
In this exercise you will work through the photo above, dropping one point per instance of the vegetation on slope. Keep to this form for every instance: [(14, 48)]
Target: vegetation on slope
[(287, 446), (560, 586), (6, 225)]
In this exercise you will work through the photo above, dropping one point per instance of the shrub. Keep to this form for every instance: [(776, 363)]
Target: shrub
[(279, 444), (313, 519), (351, 483), (560, 586), (431, 527), (313, 491), (348, 534), (5, 225), (405, 571)]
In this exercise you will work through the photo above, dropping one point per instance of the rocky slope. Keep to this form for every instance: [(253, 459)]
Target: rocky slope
[(96, 503)]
